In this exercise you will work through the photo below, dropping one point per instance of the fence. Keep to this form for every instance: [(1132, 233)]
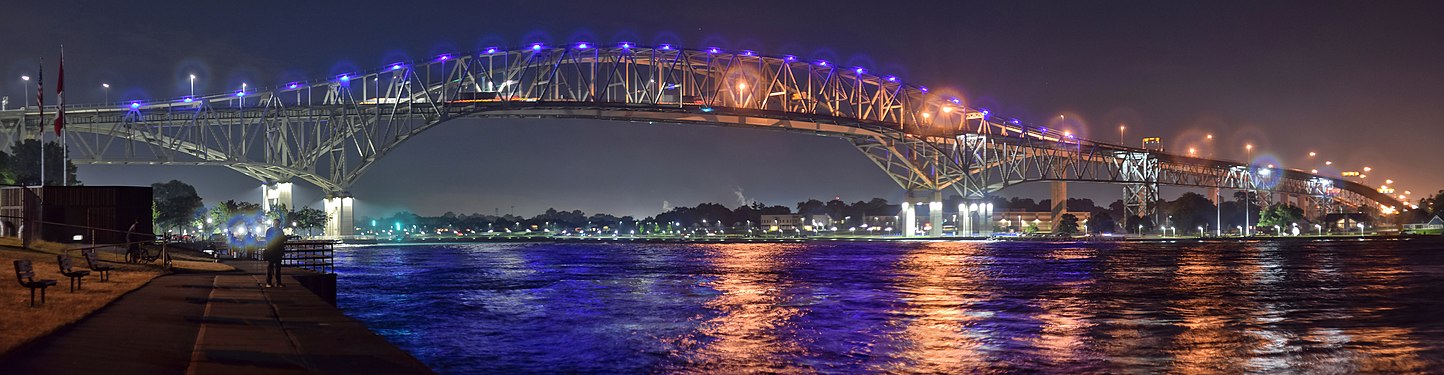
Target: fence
[(317, 256)]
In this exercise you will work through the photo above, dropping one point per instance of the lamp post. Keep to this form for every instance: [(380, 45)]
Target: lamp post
[(25, 80), (193, 85), (1248, 163), (1320, 228), (106, 87), (1122, 141), (1218, 214)]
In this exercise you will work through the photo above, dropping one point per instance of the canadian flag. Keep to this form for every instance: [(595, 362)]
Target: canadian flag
[(60, 95)]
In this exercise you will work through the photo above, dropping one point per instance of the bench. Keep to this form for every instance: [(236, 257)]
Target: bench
[(25, 273), (90, 260), (65, 269)]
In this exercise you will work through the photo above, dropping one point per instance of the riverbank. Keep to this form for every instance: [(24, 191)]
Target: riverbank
[(743, 239), (214, 322)]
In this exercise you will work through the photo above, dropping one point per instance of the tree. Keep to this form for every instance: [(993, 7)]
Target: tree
[(22, 164), (309, 218), (1280, 215), (1067, 225), (176, 204), (1102, 222)]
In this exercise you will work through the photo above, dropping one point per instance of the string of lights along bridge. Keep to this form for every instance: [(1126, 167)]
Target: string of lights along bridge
[(329, 132)]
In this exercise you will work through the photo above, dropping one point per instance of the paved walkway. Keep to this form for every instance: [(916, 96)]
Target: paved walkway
[(214, 323)]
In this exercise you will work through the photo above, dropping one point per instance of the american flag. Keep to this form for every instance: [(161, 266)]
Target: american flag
[(60, 95)]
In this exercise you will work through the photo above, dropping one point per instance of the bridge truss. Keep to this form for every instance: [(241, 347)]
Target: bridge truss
[(329, 132)]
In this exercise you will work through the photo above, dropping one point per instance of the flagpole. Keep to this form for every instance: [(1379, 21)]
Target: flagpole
[(60, 122), (40, 92)]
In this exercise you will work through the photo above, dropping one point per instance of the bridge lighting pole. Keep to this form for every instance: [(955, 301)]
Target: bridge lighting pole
[(193, 85), (1121, 139), (106, 87)]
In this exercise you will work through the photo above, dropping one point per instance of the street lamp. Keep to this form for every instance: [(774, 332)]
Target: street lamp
[(26, 81), (193, 85), (106, 87), (1248, 162), (1320, 228), (1121, 139)]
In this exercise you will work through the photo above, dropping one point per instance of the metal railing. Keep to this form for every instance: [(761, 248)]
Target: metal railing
[(317, 256)]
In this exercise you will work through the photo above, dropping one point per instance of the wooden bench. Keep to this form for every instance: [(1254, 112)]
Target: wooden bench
[(90, 260), (65, 269), (25, 273)]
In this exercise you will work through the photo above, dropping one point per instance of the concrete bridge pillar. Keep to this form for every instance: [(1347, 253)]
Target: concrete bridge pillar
[(1060, 202), (340, 215), (933, 199), (909, 219), (965, 219), (276, 194)]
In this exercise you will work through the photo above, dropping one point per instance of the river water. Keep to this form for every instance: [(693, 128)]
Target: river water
[(913, 307)]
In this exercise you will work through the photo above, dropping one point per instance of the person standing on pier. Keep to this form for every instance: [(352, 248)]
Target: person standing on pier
[(275, 250)]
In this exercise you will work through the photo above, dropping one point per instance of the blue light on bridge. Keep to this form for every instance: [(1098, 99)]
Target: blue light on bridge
[(666, 47), (892, 78), (240, 93), (924, 89), (985, 111), (345, 78), (395, 66), (955, 101), (134, 105), (490, 50), (860, 70), (713, 50), (707, 109), (293, 86), (626, 45), (789, 58), (822, 62), (748, 53), (189, 99), (583, 45), (536, 46), (443, 57)]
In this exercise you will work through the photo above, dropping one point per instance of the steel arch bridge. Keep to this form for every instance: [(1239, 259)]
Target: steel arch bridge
[(329, 132)]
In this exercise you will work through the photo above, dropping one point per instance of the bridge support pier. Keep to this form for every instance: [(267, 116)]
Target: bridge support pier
[(909, 216), (1060, 203), (934, 201), (276, 194), (975, 219), (340, 215)]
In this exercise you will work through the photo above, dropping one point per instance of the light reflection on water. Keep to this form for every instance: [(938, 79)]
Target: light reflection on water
[(925, 307)]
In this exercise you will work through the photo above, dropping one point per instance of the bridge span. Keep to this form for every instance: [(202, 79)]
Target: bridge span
[(329, 132)]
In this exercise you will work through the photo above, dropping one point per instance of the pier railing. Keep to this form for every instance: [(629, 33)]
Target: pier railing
[(314, 255)]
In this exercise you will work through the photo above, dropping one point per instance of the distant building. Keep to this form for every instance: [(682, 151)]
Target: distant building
[(64, 213), (1009, 220), (1345, 222), (790, 223), (880, 224), (1434, 223)]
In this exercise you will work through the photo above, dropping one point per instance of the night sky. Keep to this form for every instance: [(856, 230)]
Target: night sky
[(1358, 82)]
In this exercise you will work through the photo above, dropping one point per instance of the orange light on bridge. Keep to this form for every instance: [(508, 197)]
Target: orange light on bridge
[(1313, 154), (1192, 151), (1314, 171), (1326, 162), (1388, 181), (1366, 169)]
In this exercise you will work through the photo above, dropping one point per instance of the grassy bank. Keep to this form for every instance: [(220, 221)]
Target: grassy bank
[(20, 323)]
